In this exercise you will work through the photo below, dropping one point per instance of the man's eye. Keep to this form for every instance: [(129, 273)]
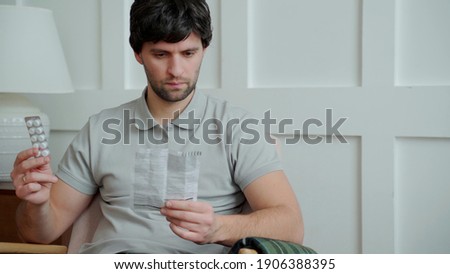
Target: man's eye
[(189, 53), (159, 55)]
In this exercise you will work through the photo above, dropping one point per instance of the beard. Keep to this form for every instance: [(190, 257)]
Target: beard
[(171, 95)]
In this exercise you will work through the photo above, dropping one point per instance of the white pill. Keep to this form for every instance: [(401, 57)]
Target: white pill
[(32, 131), (36, 145), (41, 138), (39, 130), (45, 152), (34, 138), (43, 145), (29, 123), (37, 122)]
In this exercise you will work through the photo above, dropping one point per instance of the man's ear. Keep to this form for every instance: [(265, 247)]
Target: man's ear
[(138, 57)]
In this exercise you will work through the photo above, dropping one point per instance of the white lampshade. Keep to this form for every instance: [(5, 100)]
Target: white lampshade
[(31, 61)]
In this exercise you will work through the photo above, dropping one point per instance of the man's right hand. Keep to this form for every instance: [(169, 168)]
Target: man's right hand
[(32, 177)]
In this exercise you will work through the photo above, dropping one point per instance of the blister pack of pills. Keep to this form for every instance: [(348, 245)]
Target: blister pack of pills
[(37, 135)]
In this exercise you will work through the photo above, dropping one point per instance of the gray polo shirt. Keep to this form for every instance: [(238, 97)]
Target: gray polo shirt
[(213, 150)]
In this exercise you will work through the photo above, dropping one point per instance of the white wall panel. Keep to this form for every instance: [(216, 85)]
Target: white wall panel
[(297, 43), (327, 180), (423, 42), (422, 195)]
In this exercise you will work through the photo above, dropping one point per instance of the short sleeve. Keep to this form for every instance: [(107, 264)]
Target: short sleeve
[(254, 152), (75, 167)]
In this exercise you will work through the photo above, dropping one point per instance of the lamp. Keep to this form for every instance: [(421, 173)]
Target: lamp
[(31, 61)]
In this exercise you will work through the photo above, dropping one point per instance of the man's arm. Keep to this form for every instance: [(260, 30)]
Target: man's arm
[(49, 206), (275, 214)]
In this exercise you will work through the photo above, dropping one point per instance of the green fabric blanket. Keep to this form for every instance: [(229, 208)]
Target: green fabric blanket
[(270, 246)]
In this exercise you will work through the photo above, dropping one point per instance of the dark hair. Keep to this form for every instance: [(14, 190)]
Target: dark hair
[(168, 20)]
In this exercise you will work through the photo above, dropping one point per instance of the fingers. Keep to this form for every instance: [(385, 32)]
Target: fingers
[(24, 155), (27, 189), (32, 176), (193, 221), (183, 214), (192, 206), (194, 212), (34, 193), (186, 234), (187, 226), (26, 162), (31, 182), (38, 177)]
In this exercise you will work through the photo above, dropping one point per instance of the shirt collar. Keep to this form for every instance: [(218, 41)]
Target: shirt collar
[(143, 119), (192, 116)]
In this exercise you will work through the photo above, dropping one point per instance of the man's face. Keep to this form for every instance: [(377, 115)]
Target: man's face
[(172, 69)]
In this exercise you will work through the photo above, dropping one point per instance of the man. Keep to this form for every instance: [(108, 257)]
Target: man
[(174, 168)]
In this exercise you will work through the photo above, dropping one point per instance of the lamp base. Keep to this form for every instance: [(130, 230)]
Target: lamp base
[(13, 132)]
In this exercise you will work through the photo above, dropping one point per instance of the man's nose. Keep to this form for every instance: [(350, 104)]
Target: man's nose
[(175, 67)]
